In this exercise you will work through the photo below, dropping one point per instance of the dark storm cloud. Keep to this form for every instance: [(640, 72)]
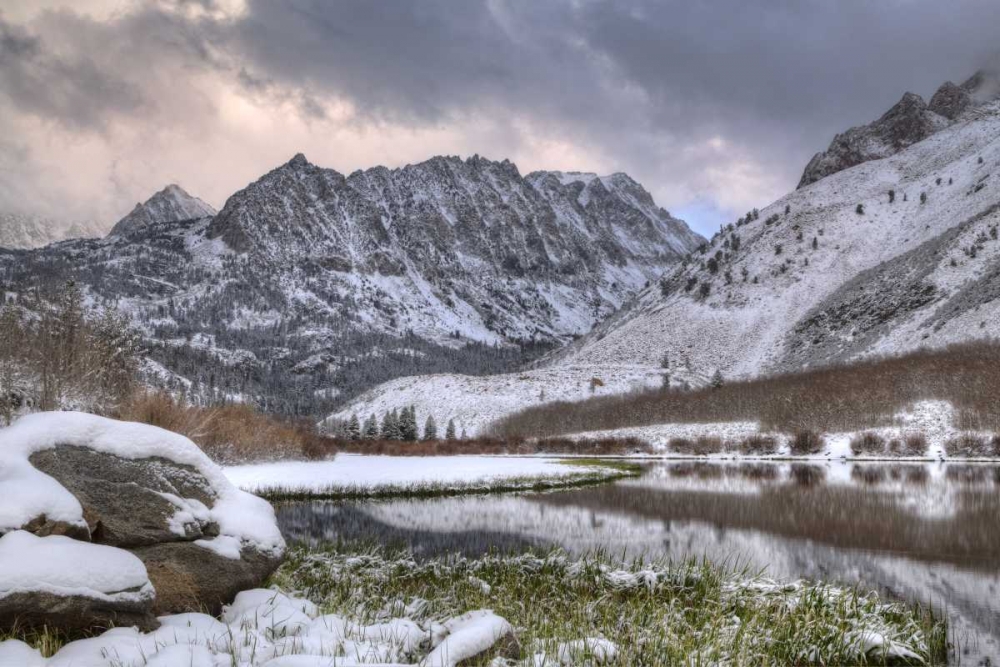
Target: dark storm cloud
[(37, 80), (712, 105)]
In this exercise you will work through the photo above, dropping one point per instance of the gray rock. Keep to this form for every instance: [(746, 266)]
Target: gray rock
[(906, 123), (123, 499), (73, 613), (125, 505), (950, 101), (188, 577)]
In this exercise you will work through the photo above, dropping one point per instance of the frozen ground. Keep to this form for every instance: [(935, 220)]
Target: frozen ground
[(353, 471)]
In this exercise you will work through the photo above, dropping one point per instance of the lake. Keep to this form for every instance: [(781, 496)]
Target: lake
[(920, 532)]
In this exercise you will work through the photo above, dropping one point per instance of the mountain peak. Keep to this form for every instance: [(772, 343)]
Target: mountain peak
[(299, 161), (171, 204)]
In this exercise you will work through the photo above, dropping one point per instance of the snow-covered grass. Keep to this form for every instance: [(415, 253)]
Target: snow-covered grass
[(355, 476), (599, 610)]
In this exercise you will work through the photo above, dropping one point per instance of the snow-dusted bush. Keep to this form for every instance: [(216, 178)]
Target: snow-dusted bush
[(867, 443), (912, 444), (806, 442)]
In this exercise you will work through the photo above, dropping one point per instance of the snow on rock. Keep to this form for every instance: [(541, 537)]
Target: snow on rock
[(265, 627), (63, 566), (242, 518), (375, 472), (171, 204), (475, 402)]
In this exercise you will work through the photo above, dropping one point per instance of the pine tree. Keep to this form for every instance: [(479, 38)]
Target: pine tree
[(408, 424), (430, 428), (371, 427), (389, 430), (449, 433), (717, 381), (354, 428)]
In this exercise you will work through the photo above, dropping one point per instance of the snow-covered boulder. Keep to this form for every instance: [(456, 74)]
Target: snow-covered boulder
[(139, 488), (64, 583)]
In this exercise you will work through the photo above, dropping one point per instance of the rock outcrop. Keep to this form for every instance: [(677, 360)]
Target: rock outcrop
[(133, 492)]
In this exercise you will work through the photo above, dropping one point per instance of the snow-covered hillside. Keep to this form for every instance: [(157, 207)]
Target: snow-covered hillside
[(476, 402), (309, 285), (881, 257)]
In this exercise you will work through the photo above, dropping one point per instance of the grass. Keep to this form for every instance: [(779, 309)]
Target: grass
[(600, 472), (657, 613)]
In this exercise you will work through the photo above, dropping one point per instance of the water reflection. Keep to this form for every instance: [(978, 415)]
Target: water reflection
[(921, 532)]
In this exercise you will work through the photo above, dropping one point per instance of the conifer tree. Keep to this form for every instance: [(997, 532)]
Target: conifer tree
[(430, 428), (371, 427), (449, 433), (717, 381), (354, 428)]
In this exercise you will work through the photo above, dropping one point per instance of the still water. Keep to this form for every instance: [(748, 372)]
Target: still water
[(928, 533)]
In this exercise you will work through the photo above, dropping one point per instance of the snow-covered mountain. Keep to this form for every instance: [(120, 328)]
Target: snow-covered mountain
[(309, 287), (882, 257), (20, 231), (171, 204), (450, 246), (879, 257), (909, 121)]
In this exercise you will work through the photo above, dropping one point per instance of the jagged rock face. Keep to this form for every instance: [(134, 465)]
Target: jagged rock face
[(909, 121), (311, 284), (448, 217), (906, 123), (171, 204), (950, 101)]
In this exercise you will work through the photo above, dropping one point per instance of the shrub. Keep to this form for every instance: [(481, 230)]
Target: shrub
[(758, 445), (805, 443), (696, 447), (867, 443), (970, 445), (913, 444)]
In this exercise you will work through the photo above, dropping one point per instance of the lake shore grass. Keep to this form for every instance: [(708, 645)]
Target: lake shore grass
[(654, 613), (593, 471)]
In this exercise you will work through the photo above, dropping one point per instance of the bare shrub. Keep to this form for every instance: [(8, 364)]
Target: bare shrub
[(912, 444), (228, 434), (496, 446), (805, 443), (697, 446), (867, 443), (969, 445), (758, 445), (854, 397), (758, 471)]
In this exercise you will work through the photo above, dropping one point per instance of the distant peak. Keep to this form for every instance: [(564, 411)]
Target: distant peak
[(171, 204), (298, 161)]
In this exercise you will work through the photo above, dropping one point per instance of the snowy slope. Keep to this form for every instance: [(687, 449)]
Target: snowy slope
[(826, 283), (171, 204), (819, 283), (475, 402)]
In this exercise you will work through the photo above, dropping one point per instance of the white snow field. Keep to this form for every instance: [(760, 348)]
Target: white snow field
[(28, 493), (266, 628), (374, 473), (474, 402)]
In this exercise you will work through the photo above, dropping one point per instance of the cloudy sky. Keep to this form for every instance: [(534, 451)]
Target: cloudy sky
[(714, 106)]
